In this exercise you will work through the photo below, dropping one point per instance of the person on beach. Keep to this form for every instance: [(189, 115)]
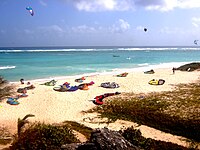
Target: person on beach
[(22, 81), (173, 69)]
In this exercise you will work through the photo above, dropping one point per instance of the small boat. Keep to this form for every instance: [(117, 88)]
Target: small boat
[(116, 56)]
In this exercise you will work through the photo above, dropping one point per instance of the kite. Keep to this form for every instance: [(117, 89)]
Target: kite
[(98, 100), (30, 10), (195, 42), (145, 29)]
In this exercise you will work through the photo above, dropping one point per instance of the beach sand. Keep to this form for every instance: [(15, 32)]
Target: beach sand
[(50, 106)]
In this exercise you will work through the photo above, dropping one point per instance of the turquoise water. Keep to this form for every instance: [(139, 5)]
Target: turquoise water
[(49, 62)]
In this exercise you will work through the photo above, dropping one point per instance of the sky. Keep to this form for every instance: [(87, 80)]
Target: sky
[(99, 23)]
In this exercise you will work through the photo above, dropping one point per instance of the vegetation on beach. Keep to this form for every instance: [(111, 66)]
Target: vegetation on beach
[(134, 136), (5, 136), (43, 136), (46, 136), (5, 89), (21, 123), (175, 112), (86, 131)]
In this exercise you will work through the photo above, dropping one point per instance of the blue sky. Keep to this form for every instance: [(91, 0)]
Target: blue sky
[(99, 23)]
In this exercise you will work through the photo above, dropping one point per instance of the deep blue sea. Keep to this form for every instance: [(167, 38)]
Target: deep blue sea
[(32, 63)]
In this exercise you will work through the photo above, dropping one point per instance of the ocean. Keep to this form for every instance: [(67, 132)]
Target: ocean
[(38, 63)]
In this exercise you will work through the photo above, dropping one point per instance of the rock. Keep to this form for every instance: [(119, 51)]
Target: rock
[(102, 139), (110, 140), (79, 146), (189, 67)]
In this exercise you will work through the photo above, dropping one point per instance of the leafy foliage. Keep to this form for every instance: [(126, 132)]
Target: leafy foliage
[(86, 131), (44, 136), (135, 137), (5, 136), (22, 122), (5, 89)]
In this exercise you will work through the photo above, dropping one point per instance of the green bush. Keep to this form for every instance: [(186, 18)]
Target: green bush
[(135, 137), (175, 112), (5, 89), (44, 136), (86, 131), (5, 136), (148, 115)]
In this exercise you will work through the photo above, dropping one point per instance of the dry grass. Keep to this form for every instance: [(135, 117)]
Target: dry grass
[(5, 136), (6, 90), (176, 112)]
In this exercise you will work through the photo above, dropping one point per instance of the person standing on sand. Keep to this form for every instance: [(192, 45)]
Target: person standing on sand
[(22, 81), (173, 69)]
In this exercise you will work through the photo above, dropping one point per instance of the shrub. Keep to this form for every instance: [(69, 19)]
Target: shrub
[(176, 112), (5, 136), (86, 131), (5, 89), (44, 136), (135, 137)]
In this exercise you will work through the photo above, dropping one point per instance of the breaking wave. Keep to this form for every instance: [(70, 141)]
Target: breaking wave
[(7, 67)]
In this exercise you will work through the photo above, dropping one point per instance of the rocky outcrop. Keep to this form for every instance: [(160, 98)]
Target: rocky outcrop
[(189, 67), (103, 139)]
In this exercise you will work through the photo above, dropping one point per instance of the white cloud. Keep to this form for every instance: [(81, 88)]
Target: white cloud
[(174, 31), (102, 5), (96, 5), (139, 28), (124, 25), (27, 31), (43, 3), (54, 28), (168, 5), (123, 5), (83, 29), (196, 21), (188, 4), (120, 26), (2, 31)]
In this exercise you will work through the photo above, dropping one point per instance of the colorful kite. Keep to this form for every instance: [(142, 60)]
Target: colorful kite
[(30, 10)]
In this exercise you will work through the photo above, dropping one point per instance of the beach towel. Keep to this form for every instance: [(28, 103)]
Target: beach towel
[(109, 85)]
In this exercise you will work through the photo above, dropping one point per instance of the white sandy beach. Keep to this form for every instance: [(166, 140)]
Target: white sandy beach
[(53, 107)]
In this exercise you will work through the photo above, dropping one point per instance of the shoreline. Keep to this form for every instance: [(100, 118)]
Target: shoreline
[(140, 68), (50, 106)]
